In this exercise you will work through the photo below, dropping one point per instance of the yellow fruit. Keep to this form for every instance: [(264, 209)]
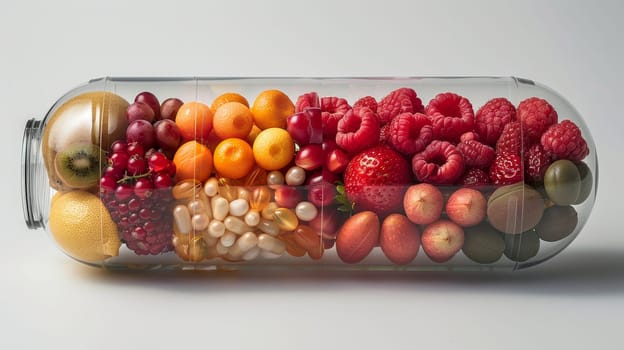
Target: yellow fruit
[(83, 228), (273, 148), (271, 109)]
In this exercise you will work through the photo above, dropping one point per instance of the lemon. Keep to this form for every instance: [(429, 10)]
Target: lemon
[(83, 228)]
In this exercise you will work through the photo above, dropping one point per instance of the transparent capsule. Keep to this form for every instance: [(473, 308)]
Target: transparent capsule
[(260, 197), (239, 207), (236, 225), (268, 226), (243, 244), (211, 187), (197, 249), (310, 240), (252, 253), (199, 206), (186, 189), (256, 177), (243, 193), (226, 190), (220, 207), (306, 211), (182, 219), (272, 244), (269, 209), (285, 219)]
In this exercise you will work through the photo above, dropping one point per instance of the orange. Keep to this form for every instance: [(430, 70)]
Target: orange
[(193, 161), (233, 158), (232, 119), (227, 97), (271, 109), (194, 119), (273, 148)]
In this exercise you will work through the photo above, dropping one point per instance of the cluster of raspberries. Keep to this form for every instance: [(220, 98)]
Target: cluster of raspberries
[(449, 144)]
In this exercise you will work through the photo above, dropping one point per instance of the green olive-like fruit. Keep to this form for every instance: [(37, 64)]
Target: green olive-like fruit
[(522, 247), (557, 223), (563, 182), (515, 208), (587, 182), (483, 244)]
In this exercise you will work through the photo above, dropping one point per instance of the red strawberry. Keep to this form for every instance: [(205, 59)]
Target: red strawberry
[(376, 179)]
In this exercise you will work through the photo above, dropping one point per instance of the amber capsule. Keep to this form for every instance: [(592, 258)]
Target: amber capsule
[(260, 198), (256, 177), (268, 226), (310, 240), (292, 247), (226, 190), (197, 250), (285, 219), (186, 189), (267, 212)]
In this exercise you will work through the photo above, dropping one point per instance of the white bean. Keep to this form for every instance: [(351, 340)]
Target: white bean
[(228, 239), (182, 219), (211, 187), (236, 225), (252, 218), (295, 176), (306, 211), (239, 207), (216, 228), (220, 207), (251, 254)]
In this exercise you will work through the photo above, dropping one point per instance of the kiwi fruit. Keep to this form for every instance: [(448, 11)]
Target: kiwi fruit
[(483, 244), (515, 208), (557, 223), (521, 247), (79, 166)]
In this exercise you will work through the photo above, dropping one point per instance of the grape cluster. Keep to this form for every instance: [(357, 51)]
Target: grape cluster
[(136, 189)]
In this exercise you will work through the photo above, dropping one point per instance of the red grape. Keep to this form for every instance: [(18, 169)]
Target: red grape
[(298, 126), (141, 131), (321, 194), (310, 157), (151, 100), (139, 111), (118, 147), (287, 196), (169, 108), (167, 134), (336, 161)]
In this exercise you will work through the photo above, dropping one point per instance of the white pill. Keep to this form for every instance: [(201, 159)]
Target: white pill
[(228, 239), (269, 255), (268, 226), (220, 207), (236, 225), (295, 176), (221, 249), (216, 228), (200, 222), (244, 243), (251, 254), (252, 218), (182, 219), (239, 207), (211, 187), (271, 244), (306, 211), (209, 240), (197, 206)]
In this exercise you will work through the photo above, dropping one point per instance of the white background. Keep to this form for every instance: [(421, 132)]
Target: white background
[(574, 301)]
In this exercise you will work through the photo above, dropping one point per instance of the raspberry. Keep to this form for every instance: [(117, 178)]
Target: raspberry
[(536, 115), (451, 116), (564, 141), (470, 135), (358, 130), (440, 163), (536, 161), (333, 109), (384, 134), (366, 101), (474, 177), (512, 139), (476, 154), (492, 117), (410, 133), (506, 169), (399, 101), (305, 101)]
